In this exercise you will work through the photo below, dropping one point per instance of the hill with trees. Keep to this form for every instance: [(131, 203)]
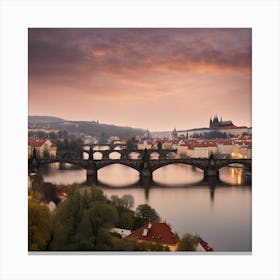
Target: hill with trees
[(92, 128)]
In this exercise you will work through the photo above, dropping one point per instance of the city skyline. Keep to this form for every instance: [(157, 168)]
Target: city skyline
[(147, 78)]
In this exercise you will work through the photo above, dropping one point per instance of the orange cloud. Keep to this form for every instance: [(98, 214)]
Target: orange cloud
[(98, 52)]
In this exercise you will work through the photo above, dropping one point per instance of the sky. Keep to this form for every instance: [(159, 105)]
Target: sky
[(151, 78)]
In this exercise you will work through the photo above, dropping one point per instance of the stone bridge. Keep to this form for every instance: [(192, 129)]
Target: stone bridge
[(144, 164), (126, 153)]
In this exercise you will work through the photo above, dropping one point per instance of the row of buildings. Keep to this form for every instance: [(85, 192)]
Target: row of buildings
[(236, 147), (46, 130)]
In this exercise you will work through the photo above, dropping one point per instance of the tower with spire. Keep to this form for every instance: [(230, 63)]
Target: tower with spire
[(216, 123), (147, 134), (174, 133)]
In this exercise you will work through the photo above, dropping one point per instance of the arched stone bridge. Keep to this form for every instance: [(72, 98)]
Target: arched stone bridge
[(126, 153), (144, 165)]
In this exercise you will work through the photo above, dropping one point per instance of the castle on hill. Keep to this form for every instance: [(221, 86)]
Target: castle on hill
[(216, 123)]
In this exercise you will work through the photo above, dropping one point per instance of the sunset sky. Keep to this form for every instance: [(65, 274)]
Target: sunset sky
[(146, 78)]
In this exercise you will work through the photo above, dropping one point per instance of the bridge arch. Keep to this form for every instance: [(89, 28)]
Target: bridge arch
[(177, 174), (116, 154), (69, 155), (178, 163), (134, 155), (154, 155), (85, 155), (97, 155), (118, 147), (114, 163), (171, 155), (101, 147)]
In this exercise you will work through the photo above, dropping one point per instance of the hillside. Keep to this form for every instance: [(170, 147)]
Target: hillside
[(49, 119), (85, 127)]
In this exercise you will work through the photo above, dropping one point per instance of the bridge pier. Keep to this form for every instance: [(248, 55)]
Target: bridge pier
[(211, 173), (146, 176), (91, 176), (105, 154)]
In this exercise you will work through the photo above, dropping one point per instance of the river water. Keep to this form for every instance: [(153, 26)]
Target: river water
[(220, 213)]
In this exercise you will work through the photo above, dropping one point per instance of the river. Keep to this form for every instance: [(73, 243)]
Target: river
[(220, 214)]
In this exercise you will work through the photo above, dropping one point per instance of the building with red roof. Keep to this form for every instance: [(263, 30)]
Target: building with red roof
[(205, 246), (44, 147), (156, 232)]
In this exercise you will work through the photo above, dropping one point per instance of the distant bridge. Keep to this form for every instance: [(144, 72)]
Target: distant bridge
[(144, 164)]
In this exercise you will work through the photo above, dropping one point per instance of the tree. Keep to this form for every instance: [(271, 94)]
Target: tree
[(124, 205), (126, 201), (188, 243), (125, 220), (83, 221), (43, 191), (146, 213), (131, 143), (116, 201), (49, 193), (53, 136), (39, 226)]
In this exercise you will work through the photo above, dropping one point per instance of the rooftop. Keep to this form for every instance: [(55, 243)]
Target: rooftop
[(38, 142), (155, 232)]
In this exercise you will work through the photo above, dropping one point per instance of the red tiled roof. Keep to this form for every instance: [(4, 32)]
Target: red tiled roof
[(224, 141), (205, 144), (184, 145), (158, 232), (205, 245), (37, 142)]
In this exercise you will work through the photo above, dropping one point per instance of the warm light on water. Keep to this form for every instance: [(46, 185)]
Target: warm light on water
[(232, 175)]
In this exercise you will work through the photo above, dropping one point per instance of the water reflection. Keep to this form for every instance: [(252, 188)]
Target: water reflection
[(219, 213), (233, 175), (118, 175)]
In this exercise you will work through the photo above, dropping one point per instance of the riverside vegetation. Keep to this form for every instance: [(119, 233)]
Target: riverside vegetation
[(83, 221)]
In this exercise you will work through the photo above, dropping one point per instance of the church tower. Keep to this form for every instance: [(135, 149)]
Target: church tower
[(174, 133), (210, 123)]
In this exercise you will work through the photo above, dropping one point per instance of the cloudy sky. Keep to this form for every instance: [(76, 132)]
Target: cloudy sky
[(148, 78)]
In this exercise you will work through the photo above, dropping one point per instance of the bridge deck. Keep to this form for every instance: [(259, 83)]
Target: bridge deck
[(152, 164)]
